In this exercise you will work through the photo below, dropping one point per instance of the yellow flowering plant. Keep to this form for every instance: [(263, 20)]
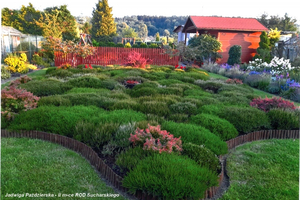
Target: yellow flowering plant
[(16, 63)]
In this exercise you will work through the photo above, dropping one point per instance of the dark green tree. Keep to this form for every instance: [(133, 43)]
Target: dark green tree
[(285, 23), (103, 25), (27, 17), (235, 53), (157, 37), (207, 47), (264, 49)]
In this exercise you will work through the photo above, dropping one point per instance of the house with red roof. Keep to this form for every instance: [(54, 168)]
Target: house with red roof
[(229, 31)]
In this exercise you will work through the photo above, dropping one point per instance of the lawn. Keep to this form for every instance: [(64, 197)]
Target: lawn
[(35, 166), (264, 170), (189, 116)]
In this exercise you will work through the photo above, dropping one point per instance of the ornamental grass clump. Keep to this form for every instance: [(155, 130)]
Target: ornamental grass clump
[(267, 104), (153, 138)]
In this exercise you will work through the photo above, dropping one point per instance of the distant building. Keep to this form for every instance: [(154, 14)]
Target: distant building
[(229, 31), (10, 39), (181, 35)]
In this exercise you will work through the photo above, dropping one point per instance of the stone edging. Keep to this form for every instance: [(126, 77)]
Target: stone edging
[(116, 180)]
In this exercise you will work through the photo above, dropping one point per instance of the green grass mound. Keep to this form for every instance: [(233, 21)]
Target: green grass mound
[(170, 176)]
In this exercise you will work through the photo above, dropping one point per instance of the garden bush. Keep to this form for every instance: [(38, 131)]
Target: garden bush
[(77, 90), (168, 99), (5, 74), (210, 85), (149, 175), (60, 73), (232, 98), (283, 119), (46, 87), (179, 117), (129, 159), (196, 92), (184, 108), (154, 76), (94, 135), (203, 156), (145, 91), (235, 53), (196, 135), (258, 81), (129, 104), (213, 109), (55, 100), (170, 91), (220, 127), (245, 119), (154, 107), (266, 104), (184, 77), (89, 82)]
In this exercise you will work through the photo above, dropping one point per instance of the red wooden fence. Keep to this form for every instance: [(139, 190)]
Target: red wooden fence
[(116, 56)]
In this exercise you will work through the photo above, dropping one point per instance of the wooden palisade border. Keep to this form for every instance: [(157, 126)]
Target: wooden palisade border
[(116, 180)]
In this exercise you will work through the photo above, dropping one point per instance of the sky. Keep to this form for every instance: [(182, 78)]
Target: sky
[(121, 8)]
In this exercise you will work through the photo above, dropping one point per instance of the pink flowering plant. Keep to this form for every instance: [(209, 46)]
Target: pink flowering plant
[(153, 138), (267, 104), (14, 100), (21, 80), (234, 81)]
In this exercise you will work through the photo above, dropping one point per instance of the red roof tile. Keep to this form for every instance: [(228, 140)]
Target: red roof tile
[(227, 23)]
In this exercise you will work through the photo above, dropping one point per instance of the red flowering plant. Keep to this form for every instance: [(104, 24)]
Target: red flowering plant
[(14, 100), (136, 60), (234, 81), (64, 66), (267, 104), (155, 139), (87, 67)]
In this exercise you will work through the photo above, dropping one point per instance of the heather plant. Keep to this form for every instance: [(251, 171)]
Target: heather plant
[(220, 127), (197, 135), (153, 138), (267, 104), (149, 175), (202, 155), (55, 100), (90, 82), (14, 101), (60, 73), (184, 108), (283, 119), (234, 81), (213, 85), (21, 80), (154, 107)]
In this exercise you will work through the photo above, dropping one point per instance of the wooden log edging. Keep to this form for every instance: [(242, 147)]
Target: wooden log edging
[(116, 180)]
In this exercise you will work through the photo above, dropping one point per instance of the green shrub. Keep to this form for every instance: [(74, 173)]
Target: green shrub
[(203, 156), (154, 76), (168, 82), (77, 90), (182, 77), (185, 178), (283, 119), (232, 98), (235, 53), (178, 117), (220, 127), (210, 85), (146, 91), (94, 135), (213, 109), (60, 120), (196, 135), (129, 159), (5, 74), (192, 100), (245, 119), (110, 84), (196, 92), (166, 69), (143, 45), (170, 91), (168, 99), (50, 69), (198, 75), (60, 73), (243, 89), (83, 82), (55, 100), (206, 100), (184, 108), (154, 107), (125, 104), (46, 87)]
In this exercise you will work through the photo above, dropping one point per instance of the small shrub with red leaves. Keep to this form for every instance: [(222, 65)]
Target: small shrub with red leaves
[(136, 60), (14, 100), (21, 80), (153, 138), (267, 104), (234, 81)]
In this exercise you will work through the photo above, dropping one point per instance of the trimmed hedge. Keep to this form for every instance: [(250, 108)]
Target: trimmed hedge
[(196, 135), (170, 176), (283, 119), (220, 127)]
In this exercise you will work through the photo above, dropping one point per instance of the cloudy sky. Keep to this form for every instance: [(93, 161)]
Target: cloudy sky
[(226, 8)]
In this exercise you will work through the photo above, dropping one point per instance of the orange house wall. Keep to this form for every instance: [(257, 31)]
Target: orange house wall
[(248, 40)]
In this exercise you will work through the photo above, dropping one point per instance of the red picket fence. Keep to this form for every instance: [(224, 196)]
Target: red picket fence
[(116, 56)]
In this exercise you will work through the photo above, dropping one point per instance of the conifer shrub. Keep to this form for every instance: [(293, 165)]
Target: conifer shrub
[(283, 119), (60, 73), (154, 76), (168, 99), (125, 104), (197, 135), (149, 175), (213, 109), (77, 90), (235, 53), (202, 155), (46, 87), (209, 85), (220, 127), (245, 119), (170, 91), (145, 91), (178, 117), (168, 82), (184, 108), (182, 77)]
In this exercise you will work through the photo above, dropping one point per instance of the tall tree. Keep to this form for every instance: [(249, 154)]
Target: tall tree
[(27, 16), (157, 36), (143, 31), (129, 33), (11, 18), (103, 24), (67, 22), (288, 24), (86, 28), (285, 23)]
